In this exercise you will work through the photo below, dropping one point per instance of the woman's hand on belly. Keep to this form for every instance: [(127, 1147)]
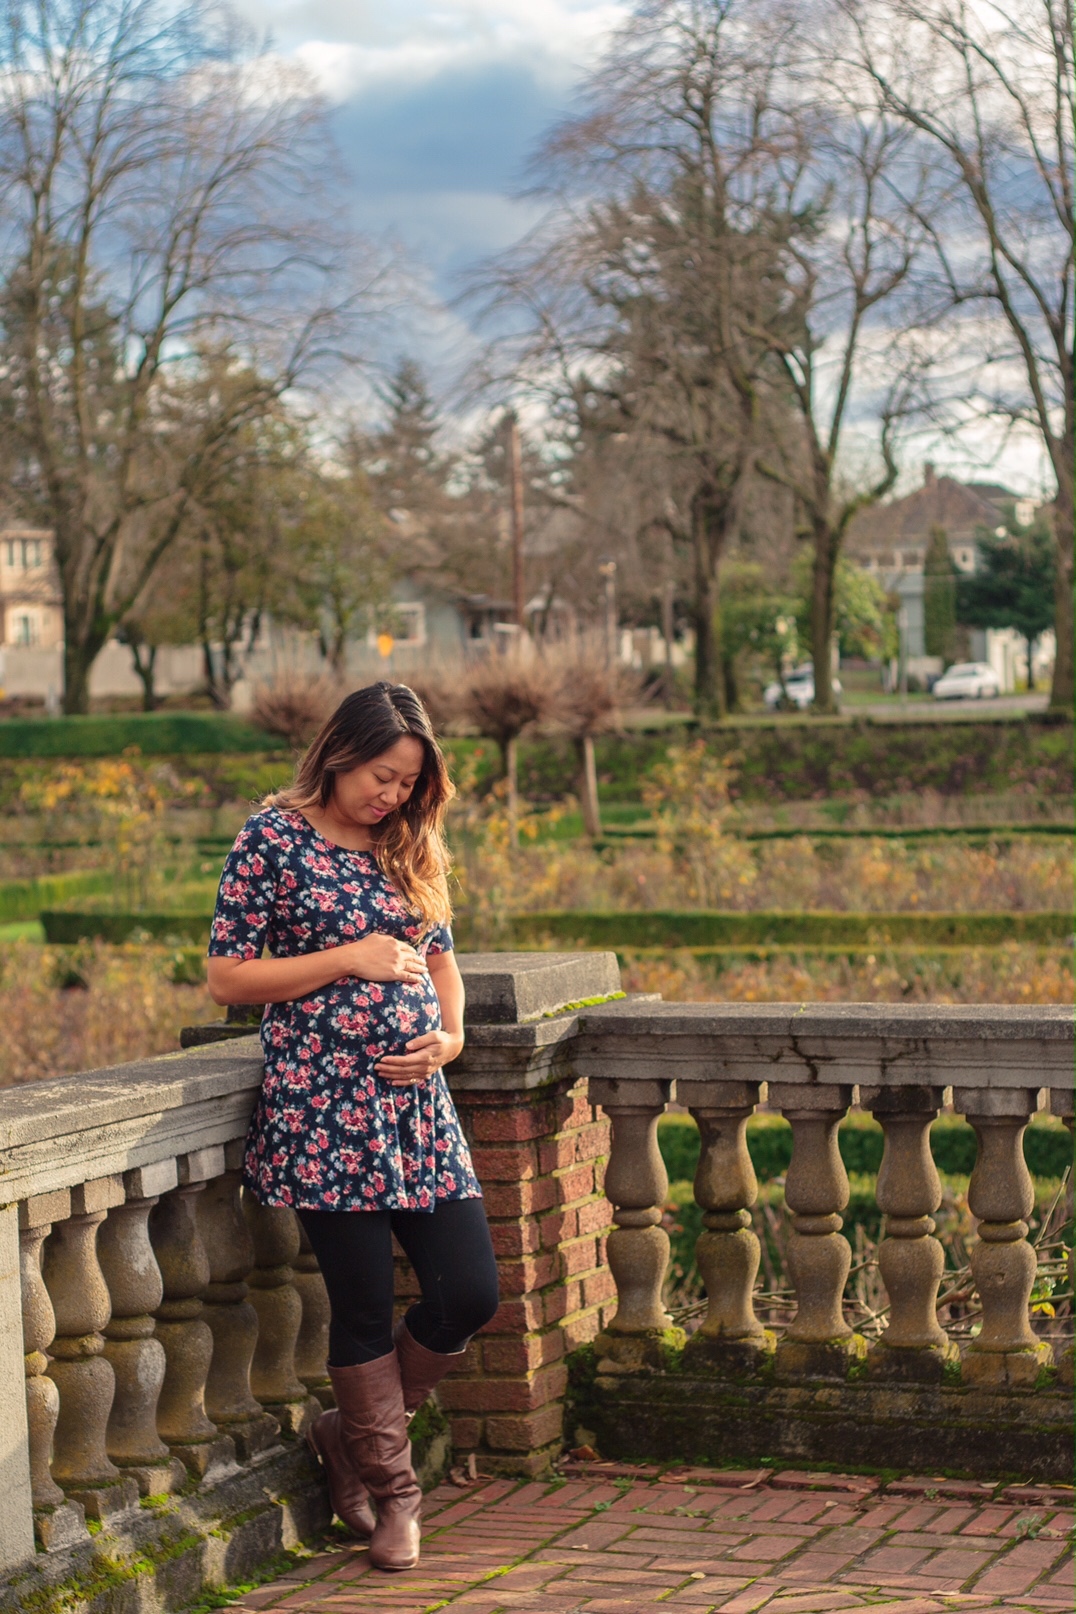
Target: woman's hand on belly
[(424, 1056), (383, 958)]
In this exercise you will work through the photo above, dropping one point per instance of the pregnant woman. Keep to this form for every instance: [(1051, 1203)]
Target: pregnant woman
[(342, 880)]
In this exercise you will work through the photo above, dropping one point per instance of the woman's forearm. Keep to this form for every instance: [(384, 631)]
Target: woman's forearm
[(274, 980)]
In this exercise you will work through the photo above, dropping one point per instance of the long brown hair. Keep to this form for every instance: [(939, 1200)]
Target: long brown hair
[(411, 845)]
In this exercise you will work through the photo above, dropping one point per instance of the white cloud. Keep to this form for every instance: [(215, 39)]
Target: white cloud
[(352, 47)]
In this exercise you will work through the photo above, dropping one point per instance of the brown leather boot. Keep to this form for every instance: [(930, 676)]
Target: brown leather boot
[(348, 1495), (373, 1437), (421, 1370)]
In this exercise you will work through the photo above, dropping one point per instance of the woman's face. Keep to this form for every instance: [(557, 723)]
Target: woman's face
[(367, 794)]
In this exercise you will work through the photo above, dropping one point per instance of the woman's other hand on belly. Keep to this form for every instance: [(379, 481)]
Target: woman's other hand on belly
[(423, 1057)]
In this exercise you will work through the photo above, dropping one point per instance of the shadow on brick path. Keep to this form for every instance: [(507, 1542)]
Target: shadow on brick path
[(613, 1539)]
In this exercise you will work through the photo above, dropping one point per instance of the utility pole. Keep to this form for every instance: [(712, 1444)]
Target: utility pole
[(515, 466), (668, 600)]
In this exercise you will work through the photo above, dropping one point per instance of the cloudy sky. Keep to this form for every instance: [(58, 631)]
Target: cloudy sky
[(438, 103)]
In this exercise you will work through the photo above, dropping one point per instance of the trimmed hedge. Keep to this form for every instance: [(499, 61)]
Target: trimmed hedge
[(154, 733), (1047, 1149), (24, 899), (65, 929), (783, 760), (701, 928)]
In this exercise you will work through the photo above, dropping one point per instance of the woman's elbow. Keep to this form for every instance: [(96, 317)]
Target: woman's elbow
[(222, 988)]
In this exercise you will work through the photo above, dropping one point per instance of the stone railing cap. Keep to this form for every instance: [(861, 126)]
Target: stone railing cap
[(1052, 1022), (509, 988)]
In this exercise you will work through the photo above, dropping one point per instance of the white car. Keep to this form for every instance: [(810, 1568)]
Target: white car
[(799, 688), (968, 680)]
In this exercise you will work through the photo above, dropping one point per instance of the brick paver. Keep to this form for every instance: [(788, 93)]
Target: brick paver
[(618, 1541)]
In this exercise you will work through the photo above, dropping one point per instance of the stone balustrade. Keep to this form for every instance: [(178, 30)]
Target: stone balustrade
[(163, 1337)]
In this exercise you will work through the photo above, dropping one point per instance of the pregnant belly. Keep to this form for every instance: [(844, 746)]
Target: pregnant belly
[(377, 1016)]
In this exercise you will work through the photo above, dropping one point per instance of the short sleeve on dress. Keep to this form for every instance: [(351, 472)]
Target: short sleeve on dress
[(246, 896), (440, 940)]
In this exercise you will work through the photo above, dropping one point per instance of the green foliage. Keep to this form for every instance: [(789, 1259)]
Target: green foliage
[(1013, 584), (1047, 1148), (701, 928), (24, 899), (152, 733), (939, 597), (861, 611), (756, 622)]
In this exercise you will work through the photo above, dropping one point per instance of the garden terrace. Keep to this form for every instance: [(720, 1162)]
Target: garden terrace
[(172, 1333)]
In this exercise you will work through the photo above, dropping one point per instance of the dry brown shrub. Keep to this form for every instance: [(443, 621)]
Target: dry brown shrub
[(505, 694), (127, 1007), (591, 693), (441, 689), (294, 707)]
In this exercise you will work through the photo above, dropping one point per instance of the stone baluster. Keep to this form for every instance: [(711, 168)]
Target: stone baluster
[(1001, 1194), (181, 1327), (138, 1362), (273, 1376), (231, 1318), (57, 1522), (727, 1251), (312, 1346), (1063, 1104), (819, 1342), (79, 1368), (914, 1346), (636, 1184)]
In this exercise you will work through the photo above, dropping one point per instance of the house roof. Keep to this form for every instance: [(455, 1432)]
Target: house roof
[(942, 501)]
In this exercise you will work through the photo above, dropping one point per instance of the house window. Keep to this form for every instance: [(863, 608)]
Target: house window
[(31, 553), (25, 630), (10, 546), (410, 624)]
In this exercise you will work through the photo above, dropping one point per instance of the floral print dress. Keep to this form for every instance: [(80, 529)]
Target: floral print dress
[(328, 1133)]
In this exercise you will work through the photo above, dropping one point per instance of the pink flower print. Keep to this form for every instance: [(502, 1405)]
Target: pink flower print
[(321, 1139), (376, 1145), (308, 1171), (321, 1101)]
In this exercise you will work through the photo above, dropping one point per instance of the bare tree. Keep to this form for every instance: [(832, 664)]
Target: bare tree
[(590, 695), (648, 297), (991, 88), (845, 363), (503, 696), (159, 195)]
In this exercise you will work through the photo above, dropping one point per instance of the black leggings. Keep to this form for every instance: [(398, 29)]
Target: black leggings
[(451, 1252)]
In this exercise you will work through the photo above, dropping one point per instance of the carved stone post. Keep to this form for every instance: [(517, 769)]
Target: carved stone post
[(636, 1184), (82, 1374), (819, 1342), (232, 1320), (273, 1376), (1063, 1104), (134, 1284), (914, 1346), (312, 1346), (181, 1328), (57, 1522), (727, 1251), (1003, 1264)]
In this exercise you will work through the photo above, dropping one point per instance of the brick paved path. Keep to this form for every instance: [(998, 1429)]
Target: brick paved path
[(613, 1540)]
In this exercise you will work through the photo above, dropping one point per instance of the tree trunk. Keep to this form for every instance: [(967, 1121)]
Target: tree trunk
[(822, 580), (78, 664), (709, 687), (588, 786), (146, 671), (511, 773), (1062, 690), (1030, 666)]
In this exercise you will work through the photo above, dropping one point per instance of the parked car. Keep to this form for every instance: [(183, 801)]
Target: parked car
[(799, 689), (967, 680)]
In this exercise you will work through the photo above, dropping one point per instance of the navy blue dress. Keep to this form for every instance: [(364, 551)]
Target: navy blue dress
[(328, 1133)]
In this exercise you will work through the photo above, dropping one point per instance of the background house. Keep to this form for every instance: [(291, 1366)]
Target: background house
[(890, 540)]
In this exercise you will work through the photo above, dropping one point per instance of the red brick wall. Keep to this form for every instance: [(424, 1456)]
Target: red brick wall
[(541, 1160)]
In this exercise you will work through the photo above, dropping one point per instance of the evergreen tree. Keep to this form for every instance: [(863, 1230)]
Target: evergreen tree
[(939, 598), (1012, 586)]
